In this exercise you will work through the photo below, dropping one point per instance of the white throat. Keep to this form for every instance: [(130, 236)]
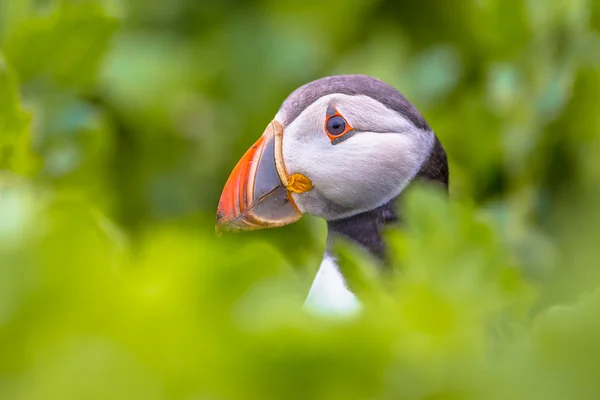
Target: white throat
[(329, 294)]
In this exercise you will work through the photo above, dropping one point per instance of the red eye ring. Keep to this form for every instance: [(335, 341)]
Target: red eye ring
[(336, 126)]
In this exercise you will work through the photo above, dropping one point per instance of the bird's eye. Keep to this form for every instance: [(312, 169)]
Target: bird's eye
[(336, 125)]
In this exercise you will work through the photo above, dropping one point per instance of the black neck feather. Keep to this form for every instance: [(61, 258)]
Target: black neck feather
[(366, 228)]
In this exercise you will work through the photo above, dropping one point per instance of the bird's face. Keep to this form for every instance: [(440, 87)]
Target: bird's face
[(332, 155)]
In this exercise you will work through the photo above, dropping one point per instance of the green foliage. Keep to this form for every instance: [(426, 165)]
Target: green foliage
[(14, 123), (65, 46), (120, 121)]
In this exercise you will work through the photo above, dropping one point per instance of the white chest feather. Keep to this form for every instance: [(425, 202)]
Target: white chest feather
[(329, 294)]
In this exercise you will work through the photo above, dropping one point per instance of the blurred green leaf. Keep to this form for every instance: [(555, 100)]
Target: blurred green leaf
[(14, 125), (66, 45)]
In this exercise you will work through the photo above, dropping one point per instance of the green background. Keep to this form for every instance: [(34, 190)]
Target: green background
[(121, 120)]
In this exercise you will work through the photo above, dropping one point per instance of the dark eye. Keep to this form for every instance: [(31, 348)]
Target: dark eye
[(336, 125)]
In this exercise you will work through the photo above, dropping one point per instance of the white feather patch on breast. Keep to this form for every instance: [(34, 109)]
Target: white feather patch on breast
[(328, 294)]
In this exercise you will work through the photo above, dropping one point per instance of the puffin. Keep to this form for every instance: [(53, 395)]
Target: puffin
[(342, 148)]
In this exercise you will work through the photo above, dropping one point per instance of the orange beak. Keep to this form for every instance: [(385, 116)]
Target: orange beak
[(255, 196)]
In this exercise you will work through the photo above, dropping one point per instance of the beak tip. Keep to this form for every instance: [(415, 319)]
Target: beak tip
[(223, 221), (228, 221), (219, 228)]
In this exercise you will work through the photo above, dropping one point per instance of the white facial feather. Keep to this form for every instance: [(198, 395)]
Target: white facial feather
[(361, 173)]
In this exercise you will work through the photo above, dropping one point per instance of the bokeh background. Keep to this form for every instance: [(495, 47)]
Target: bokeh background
[(121, 120)]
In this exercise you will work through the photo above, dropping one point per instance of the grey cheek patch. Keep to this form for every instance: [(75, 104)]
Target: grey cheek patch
[(348, 135)]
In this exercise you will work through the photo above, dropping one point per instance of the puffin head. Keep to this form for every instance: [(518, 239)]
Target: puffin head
[(338, 147)]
